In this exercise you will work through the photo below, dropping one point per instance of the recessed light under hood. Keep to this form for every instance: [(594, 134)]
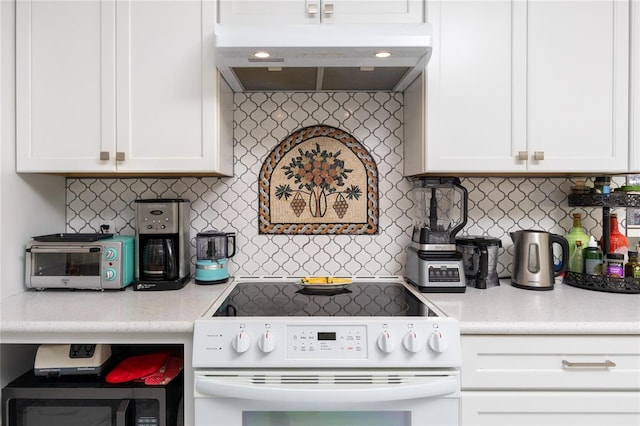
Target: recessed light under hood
[(322, 57)]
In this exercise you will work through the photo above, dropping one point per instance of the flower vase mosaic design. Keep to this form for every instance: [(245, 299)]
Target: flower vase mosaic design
[(319, 180)]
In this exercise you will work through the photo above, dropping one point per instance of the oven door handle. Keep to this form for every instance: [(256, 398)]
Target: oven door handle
[(239, 387)]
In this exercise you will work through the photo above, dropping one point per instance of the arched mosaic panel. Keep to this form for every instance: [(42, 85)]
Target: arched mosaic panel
[(318, 180)]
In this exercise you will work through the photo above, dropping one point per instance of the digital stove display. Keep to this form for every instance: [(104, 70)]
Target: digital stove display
[(285, 299)]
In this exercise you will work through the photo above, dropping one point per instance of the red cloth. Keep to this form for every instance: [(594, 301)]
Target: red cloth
[(166, 373), (137, 367)]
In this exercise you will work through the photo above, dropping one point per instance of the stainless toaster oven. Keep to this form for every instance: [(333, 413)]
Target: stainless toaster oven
[(80, 261)]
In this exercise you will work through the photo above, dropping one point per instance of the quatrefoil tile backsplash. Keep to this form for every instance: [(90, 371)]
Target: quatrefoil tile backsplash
[(496, 205)]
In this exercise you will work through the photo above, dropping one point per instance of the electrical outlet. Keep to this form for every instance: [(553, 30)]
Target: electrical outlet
[(108, 227)]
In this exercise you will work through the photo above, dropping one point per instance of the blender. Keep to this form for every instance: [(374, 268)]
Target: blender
[(433, 262), (213, 251)]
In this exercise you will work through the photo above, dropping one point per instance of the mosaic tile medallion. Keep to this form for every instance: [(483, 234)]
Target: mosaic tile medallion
[(318, 180)]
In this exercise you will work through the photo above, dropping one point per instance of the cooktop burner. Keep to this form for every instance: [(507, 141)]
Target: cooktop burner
[(288, 299)]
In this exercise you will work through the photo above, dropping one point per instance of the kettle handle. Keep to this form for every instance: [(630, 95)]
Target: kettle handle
[(562, 241)]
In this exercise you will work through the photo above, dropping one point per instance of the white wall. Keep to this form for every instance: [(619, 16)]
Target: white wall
[(29, 204)]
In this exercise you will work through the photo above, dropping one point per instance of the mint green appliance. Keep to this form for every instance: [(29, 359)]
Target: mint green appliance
[(214, 248)]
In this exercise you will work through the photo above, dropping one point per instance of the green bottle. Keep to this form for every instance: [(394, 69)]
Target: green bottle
[(592, 256), (576, 233), (576, 263)]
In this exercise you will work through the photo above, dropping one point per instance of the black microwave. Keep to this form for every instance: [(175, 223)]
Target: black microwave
[(84, 400)]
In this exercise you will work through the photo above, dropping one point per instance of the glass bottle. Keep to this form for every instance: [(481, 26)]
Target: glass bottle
[(576, 233), (618, 243), (593, 258), (576, 260), (632, 268)]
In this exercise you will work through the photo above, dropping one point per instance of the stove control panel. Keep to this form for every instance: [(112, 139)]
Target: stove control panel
[(323, 342), (337, 342)]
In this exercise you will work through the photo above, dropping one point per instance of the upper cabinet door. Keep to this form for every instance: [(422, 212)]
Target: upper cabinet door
[(65, 86), (578, 85), (168, 88), (269, 12), (372, 11), (634, 103), (459, 117)]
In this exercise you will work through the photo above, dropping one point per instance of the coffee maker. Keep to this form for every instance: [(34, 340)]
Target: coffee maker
[(433, 262), (480, 260), (213, 249), (162, 244)]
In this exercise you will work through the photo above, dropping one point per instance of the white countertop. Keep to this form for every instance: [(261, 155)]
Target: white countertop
[(499, 310), (87, 311), (563, 310)]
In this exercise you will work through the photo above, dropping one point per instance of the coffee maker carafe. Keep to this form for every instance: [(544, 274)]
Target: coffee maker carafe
[(213, 250), (162, 244)]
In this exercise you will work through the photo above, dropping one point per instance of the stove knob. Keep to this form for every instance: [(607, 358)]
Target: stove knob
[(267, 342), (438, 342), (242, 342), (411, 342), (385, 342)]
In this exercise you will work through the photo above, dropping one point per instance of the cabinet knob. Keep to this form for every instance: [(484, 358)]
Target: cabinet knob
[(312, 8), (523, 155), (104, 155), (538, 155), (119, 156), (329, 9)]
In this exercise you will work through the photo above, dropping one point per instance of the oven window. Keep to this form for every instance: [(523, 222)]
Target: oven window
[(324, 418), (86, 264)]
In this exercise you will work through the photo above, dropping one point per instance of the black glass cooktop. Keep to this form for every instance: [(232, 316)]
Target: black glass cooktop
[(358, 299)]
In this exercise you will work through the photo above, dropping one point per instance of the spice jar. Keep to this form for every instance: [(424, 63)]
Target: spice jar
[(632, 268), (615, 265)]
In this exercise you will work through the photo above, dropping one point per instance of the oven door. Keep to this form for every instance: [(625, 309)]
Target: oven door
[(320, 398)]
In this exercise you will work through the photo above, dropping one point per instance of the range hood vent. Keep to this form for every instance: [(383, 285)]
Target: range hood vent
[(322, 57)]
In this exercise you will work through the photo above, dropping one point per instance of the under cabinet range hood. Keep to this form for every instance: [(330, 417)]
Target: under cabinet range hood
[(322, 57)]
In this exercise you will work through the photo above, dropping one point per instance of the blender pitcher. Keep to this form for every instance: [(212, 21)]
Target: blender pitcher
[(213, 251)]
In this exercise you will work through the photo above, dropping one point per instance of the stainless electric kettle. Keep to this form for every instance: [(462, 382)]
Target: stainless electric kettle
[(533, 259)]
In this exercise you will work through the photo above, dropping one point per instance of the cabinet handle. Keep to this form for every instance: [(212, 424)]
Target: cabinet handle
[(104, 155), (605, 364), (538, 155), (329, 9), (119, 156), (523, 155), (312, 8)]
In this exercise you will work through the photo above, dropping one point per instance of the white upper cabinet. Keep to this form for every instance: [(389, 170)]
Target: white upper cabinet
[(578, 85), (321, 11), (634, 104), (516, 86), (65, 85), (120, 86)]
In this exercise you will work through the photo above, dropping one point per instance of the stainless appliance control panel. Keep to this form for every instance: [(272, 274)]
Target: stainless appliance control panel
[(326, 342)]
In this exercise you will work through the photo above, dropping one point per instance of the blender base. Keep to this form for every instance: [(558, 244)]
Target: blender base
[(441, 273)]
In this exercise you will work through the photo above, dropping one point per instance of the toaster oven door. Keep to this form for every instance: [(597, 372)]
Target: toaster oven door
[(64, 266)]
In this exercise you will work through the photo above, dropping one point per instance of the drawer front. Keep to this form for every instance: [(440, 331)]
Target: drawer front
[(502, 408), (550, 362)]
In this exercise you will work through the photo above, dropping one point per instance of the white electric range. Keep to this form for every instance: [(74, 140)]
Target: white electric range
[(373, 352)]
